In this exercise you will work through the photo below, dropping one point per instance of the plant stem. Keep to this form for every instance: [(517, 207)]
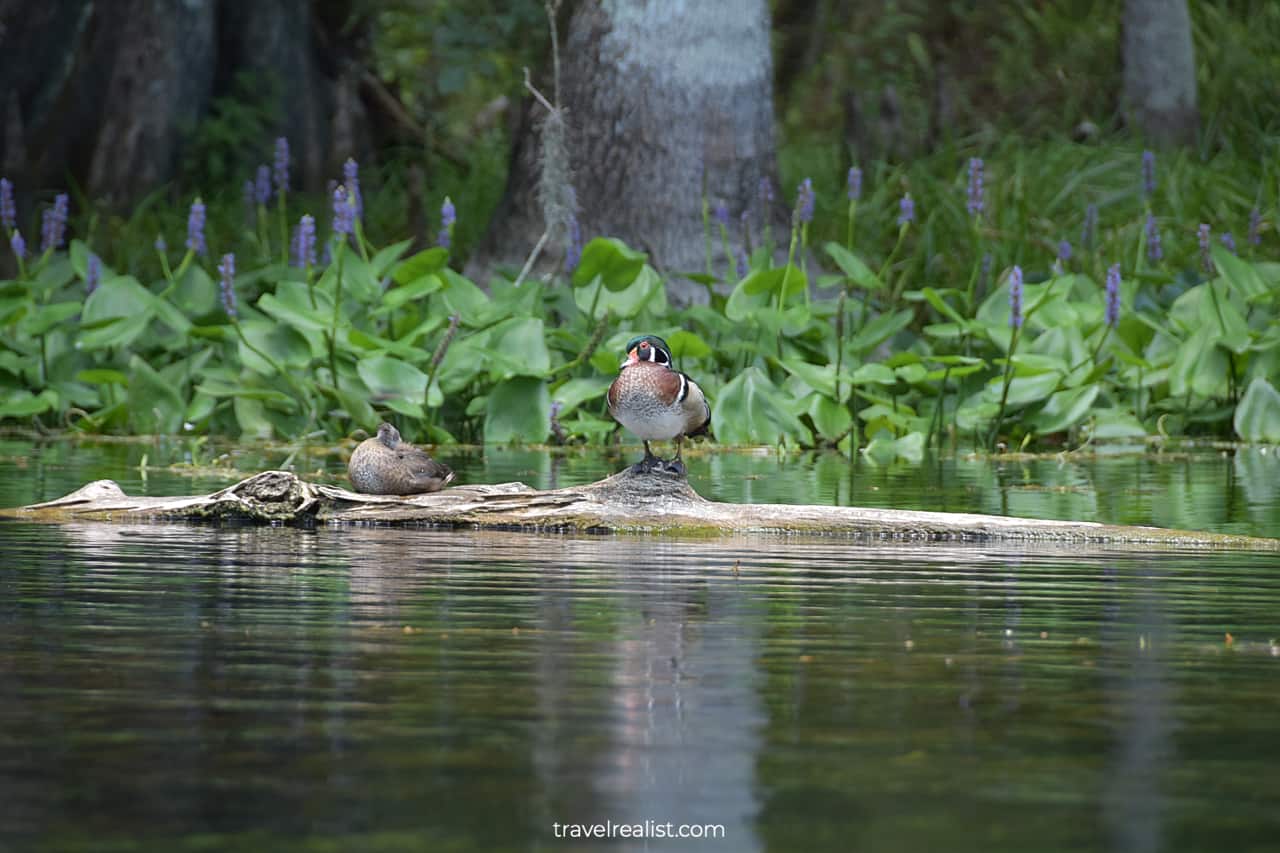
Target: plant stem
[(340, 251), (1004, 393)]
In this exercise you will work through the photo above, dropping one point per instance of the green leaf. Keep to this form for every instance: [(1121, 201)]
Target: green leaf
[(518, 410), (880, 329), (616, 263), (291, 303), (102, 376), (647, 291), (114, 331), (1243, 277), (518, 347), (687, 345), (424, 263), (821, 378), (154, 406), (390, 379), (743, 305), (575, 392), (387, 256), (831, 419), (1199, 365), (1064, 409), (1257, 416), (23, 404), (396, 297), (462, 297), (752, 410), (853, 267), (874, 373), (285, 344), (48, 316), (942, 306)]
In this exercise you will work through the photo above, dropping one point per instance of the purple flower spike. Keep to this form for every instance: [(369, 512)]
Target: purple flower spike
[(448, 216), (1064, 251), (1203, 233), (573, 254), (855, 183), (1255, 226), (227, 269), (1090, 226), (1148, 174), (1229, 242), (18, 245), (1015, 298), (195, 228), (343, 211), (975, 203), (805, 200), (907, 210), (280, 167), (351, 177), (305, 242), (54, 223), (1154, 250), (8, 207), (721, 213), (1112, 314), (92, 274), (262, 185)]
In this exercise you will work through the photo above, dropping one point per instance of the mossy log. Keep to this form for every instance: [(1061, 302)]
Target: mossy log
[(624, 503)]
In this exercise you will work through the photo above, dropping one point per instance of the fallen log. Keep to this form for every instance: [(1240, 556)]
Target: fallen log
[(623, 503)]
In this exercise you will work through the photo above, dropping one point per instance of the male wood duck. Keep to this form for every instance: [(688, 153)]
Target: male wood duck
[(385, 465), (656, 402)]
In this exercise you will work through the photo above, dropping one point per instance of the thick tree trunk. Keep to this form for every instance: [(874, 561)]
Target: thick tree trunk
[(1160, 70), (107, 93), (662, 95), (623, 503)]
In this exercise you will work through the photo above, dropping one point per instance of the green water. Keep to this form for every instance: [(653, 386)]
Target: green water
[(172, 687)]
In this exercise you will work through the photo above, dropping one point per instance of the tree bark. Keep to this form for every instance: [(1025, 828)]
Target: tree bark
[(661, 96), (623, 503), (1160, 70)]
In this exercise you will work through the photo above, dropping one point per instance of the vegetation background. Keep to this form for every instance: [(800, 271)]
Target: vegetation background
[(813, 314)]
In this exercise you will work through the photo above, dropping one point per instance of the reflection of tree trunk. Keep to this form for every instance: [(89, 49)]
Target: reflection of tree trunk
[(1160, 70), (658, 95)]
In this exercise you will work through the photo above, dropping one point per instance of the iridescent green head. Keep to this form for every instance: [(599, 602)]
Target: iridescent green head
[(647, 348)]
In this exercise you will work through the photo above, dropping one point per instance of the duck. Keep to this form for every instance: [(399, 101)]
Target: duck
[(387, 465), (656, 402)]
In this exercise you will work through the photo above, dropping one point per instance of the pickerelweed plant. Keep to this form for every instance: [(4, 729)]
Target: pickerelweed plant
[(958, 314)]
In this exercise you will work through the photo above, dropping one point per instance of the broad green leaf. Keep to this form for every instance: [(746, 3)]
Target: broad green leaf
[(1243, 277), (750, 409), (462, 297), (883, 449), (1064, 409), (880, 329), (1024, 389), (518, 347), (279, 342), (422, 264), (935, 299), (829, 417), (646, 292), (102, 376), (114, 332), (23, 404), (821, 378), (687, 345), (874, 373), (575, 392), (1257, 417), (390, 379), (1200, 365), (853, 267), (291, 303), (48, 316), (154, 406), (616, 263), (387, 256), (397, 297), (518, 410)]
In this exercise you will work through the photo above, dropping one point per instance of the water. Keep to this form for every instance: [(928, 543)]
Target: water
[(172, 687)]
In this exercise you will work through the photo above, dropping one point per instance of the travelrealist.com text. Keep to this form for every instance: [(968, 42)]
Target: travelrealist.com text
[(646, 829)]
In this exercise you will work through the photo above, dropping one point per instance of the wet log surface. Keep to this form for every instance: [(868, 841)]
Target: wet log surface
[(624, 503)]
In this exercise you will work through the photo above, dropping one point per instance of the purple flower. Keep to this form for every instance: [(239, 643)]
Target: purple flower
[(854, 182), (721, 213), (906, 210), (766, 191), (262, 185), (304, 242), (744, 263), (1064, 251), (195, 228), (805, 200), (227, 269), (161, 245), (54, 223), (1205, 260), (280, 167), (92, 274), (573, 253), (343, 211), (1148, 174), (1154, 250), (8, 208), (1015, 298), (351, 178), (448, 216), (1112, 314), (1090, 226), (975, 203), (1255, 225), (1229, 242), (18, 245)]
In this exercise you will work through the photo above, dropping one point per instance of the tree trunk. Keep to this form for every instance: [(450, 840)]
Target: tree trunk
[(1160, 70), (662, 96), (108, 93)]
